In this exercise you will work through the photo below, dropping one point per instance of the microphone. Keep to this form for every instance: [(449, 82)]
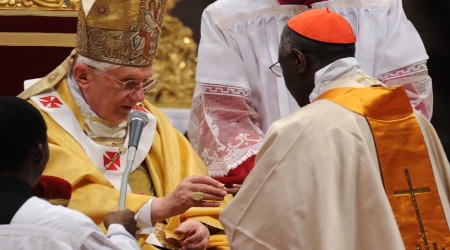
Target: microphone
[(137, 120)]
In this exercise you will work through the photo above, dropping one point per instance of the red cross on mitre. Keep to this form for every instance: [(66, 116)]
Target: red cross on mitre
[(111, 160), (50, 101), (139, 107)]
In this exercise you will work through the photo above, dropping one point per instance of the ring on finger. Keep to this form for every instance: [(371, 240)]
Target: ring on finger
[(197, 196)]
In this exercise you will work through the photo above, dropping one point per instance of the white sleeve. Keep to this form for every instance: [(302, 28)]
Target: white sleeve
[(116, 238), (120, 237), (143, 217)]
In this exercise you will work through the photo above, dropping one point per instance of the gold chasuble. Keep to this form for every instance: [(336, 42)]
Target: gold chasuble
[(406, 169)]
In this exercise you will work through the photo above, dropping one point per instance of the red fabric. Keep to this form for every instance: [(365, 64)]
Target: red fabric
[(323, 25), (52, 187), (238, 174), (303, 2), (17, 58)]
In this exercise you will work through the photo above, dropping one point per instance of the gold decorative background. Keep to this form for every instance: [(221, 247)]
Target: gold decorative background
[(175, 59)]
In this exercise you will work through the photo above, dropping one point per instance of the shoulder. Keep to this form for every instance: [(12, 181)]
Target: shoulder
[(322, 112), (317, 121)]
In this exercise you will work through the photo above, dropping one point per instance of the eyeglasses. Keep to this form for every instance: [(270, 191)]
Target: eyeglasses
[(132, 85), (276, 67)]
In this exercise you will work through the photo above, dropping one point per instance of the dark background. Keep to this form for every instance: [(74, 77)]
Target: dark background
[(427, 16)]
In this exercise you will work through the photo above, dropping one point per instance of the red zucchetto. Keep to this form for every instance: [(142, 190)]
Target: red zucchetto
[(323, 25)]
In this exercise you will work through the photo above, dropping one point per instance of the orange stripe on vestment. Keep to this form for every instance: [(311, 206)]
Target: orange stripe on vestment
[(405, 165)]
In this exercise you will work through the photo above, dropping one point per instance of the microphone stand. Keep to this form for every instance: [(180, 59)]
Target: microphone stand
[(124, 182), (137, 120)]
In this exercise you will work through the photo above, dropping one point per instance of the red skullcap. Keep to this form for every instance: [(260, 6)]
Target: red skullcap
[(302, 2), (323, 25)]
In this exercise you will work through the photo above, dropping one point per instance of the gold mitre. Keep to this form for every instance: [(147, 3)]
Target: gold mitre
[(124, 32)]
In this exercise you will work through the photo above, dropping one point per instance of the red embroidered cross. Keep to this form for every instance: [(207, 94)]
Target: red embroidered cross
[(111, 160), (50, 102)]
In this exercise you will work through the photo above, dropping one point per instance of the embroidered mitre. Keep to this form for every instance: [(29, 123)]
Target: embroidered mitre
[(123, 32)]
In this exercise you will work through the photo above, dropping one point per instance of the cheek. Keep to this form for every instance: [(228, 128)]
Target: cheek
[(102, 103), (292, 83)]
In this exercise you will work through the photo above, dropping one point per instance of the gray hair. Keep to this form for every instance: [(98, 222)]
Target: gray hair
[(104, 66)]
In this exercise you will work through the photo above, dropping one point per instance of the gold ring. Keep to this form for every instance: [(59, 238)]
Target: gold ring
[(197, 196)]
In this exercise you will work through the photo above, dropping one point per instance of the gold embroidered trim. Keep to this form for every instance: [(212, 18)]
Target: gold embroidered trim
[(101, 120), (109, 140), (59, 201), (31, 12)]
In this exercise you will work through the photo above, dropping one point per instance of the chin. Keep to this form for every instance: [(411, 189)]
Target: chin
[(121, 118), (120, 114), (117, 117)]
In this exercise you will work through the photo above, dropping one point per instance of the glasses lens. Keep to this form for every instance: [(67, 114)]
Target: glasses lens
[(131, 86), (276, 70), (149, 84)]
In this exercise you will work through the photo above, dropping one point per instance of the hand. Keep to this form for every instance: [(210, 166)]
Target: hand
[(193, 235), (180, 199), (234, 189), (125, 218)]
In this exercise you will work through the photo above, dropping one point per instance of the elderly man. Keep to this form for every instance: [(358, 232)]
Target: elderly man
[(357, 168), (86, 101)]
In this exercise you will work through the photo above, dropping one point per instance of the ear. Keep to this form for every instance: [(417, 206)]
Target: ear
[(39, 157), (301, 60), (82, 75), (40, 154)]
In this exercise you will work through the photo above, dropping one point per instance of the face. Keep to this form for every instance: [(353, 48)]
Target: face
[(105, 95)]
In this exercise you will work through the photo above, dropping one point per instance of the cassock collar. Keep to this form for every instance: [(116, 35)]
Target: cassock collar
[(331, 72)]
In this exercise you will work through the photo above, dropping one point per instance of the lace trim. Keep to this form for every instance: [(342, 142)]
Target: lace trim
[(223, 130), (274, 9), (416, 68), (217, 89), (417, 83)]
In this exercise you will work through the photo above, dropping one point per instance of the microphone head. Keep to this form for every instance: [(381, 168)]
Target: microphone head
[(138, 115)]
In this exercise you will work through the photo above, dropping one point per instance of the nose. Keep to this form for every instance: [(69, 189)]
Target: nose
[(137, 95)]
